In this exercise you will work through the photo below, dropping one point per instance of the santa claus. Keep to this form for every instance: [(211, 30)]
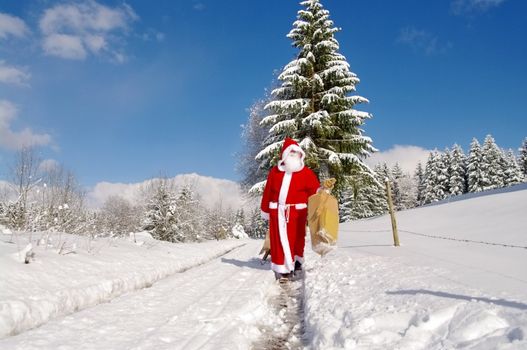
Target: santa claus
[(284, 204)]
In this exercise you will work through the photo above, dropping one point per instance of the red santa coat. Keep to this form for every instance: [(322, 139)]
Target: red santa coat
[(284, 203)]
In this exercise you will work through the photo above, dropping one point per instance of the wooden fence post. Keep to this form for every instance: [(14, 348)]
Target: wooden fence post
[(392, 213)]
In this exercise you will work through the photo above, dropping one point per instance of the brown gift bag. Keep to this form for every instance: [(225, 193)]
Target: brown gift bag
[(323, 219)]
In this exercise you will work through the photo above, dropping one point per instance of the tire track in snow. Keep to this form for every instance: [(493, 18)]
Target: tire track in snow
[(210, 306), (68, 301), (288, 304)]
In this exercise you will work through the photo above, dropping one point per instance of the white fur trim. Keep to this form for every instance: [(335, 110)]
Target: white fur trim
[(284, 188), (286, 153), (265, 215), (282, 223), (279, 268), (299, 259)]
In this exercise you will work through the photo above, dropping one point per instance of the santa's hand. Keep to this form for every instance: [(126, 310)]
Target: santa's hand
[(328, 183)]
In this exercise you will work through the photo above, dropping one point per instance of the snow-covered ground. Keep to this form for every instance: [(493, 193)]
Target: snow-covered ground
[(429, 293), (438, 290), (97, 271), (215, 305)]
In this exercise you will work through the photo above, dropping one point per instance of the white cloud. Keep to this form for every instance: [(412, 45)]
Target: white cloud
[(17, 139), (421, 40), (407, 157), (13, 75), (210, 189), (95, 43), (48, 164), (64, 46), (71, 31), (119, 57), (460, 7), (11, 25)]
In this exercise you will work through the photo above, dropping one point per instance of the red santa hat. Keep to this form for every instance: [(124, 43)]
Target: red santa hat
[(289, 145)]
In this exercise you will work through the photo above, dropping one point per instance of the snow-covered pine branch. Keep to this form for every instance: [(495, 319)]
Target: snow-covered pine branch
[(284, 125), (269, 150)]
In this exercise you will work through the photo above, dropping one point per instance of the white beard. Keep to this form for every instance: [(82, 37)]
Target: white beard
[(292, 164)]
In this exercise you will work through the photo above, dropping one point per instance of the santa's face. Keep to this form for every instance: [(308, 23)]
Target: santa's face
[(293, 162)]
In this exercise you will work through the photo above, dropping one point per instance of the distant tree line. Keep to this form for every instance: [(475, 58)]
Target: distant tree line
[(48, 198), (445, 174)]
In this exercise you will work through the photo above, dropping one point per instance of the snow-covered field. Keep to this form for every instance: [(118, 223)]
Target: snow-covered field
[(429, 293), (97, 271)]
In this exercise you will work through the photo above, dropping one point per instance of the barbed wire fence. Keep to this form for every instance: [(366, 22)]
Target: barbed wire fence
[(442, 237)]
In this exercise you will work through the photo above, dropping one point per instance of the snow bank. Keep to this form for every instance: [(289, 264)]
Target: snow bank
[(217, 305), (239, 232), (430, 293), (53, 284), (372, 302)]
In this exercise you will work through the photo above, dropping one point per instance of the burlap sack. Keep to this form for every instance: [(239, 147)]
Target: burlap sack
[(323, 221)]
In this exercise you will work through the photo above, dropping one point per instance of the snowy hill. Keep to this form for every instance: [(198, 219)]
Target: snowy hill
[(458, 280), (438, 290)]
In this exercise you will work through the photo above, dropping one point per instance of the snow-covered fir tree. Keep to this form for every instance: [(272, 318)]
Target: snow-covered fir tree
[(217, 222), (188, 215), (257, 227), (408, 188), (383, 172), (512, 173), (397, 175), (457, 171), (362, 201), (434, 179), (359, 202), (313, 104), (429, 179), (161, 217), (354, 205), (4, 221), (492, 164), (379, 200), (239, 217), (16, 216), (443, 177), (475, 176), (404, 189), (346, 206), (239, 227), (522, 158), (419, 180)]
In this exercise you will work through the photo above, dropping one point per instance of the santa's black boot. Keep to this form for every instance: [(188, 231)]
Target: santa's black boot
[(298, 266)]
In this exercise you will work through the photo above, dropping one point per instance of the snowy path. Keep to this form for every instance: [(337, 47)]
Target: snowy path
[(213, 306)]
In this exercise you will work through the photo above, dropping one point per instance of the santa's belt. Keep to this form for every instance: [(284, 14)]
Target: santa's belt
[(287, 207)]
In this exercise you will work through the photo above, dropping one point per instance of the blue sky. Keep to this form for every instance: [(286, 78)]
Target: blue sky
[(120, 91)]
